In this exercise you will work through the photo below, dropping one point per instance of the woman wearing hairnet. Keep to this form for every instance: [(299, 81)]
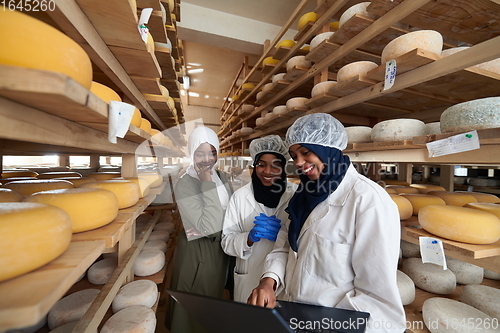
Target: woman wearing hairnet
[(202, 195), (255, 213), (342, 245)]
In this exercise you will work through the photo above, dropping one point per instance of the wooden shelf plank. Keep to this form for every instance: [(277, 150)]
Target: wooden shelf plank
[(304, 31), (156, 27), (320, 99), (155, 4), (27, 298), (388, 145), (350, 86), (137, 62), (294, 73), (147, 85), (282, 51)]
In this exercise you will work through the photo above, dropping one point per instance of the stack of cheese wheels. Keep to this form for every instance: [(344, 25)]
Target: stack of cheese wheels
[(145, 125), (28, 187), (354, 69), (486, 207), (8, 195), (358, 9), (132, 319), (149, 262), (297, 103), (358, 134), (306, 18), (404, 206), (397, 129), (100, 271), (454, 198), (320, 38), (71, 308), (54, 50), (428, 40), (77, 181), (154, 178), (104, 175), (89, 208), (322, 87), (285, 43), (421, 200), (473, 115), (140, 292), (126, 192), (483, 298), (454, 223), (32, 235), (105, 93), (402, 189), (465, 272), (426, 188), (144, 185), (298, 61), (430, 277), (58, 174)]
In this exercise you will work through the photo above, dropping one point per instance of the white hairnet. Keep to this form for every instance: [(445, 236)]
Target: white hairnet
[(268, 144), (317, 128)]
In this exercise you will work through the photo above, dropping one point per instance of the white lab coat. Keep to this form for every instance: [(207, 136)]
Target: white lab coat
[(347, 255), (238, 222)]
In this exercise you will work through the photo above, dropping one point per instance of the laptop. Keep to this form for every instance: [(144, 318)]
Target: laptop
[(219, 315)]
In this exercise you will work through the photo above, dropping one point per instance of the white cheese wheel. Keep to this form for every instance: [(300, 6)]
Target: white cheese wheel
[(421, 200), (278, 77), (410, 250), (88, 208), (126, 191), (355, 68), (483, 197), (149, 262), (397, 129), (319, 38), (455, 223), (404, 206), (140, 292), (483, 298), (491, 275), (403, 189), (296, 103), (454, 198), (433, 128), (28, 187), (71, 307), (267, 87), (246, 130), (104, 175), (247, 107), (259, 95), (269, 116), (466, 273), (280, 109), (58, 174), (156, 244), (482, 182), (159, 235), (297, 61), (132, 319), (32, 236), (359, 9), (443, 315), (322, 87), (100, 272), (167, 226), (358, 134), (406, 288), (473, 115), (426, 188), (428, 40), (492, 65), (8, 195), (430, 277)]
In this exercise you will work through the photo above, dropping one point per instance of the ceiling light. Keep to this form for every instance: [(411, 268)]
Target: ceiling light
[(193, 94), (195, 71), (193, 64), (186, 82), (207, 96)]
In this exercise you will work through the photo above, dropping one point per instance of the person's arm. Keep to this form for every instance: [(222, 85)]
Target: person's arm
[(264, 294), (234, 238)]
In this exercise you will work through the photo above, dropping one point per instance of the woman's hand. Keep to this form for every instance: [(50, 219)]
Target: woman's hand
[(264, 295), (204, 172)]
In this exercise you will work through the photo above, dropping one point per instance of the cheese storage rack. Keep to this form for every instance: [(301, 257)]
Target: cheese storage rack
[(49, 113)]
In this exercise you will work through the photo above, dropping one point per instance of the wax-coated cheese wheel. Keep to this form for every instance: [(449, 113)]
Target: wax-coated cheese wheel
[(105, 93), (132, 319), (140, 292), (154, 178), (454, 198), (487, 207), (136, 118), (403, 189), (404, 206), (406, 288), (71, 308), (58, 174), (100, 272), (8, 195), (126, 192), (357, 134), (306, 18), (460, 224), (18, 173), (28, 187), (483, 298), (465, 272), (269, 61), (430, 277), (89, 208), (421, 200), (32, 236), (143, 185), (483, 197), (13, 179), (426, 188), (285, 43), (39, 46), (145, 125), (104, 175), (78, 181), (149, 262)]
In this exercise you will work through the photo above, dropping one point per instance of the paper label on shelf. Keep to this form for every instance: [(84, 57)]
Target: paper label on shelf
[(119, 118), (390, 74), (432, 251), (143, 20), (454, 144)]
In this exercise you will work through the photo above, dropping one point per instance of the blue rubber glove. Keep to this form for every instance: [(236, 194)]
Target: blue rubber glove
[(270, 224), (256, 232)]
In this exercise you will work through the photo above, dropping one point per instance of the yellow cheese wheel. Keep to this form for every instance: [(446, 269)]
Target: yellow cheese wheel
[(136, 118), (460, 224), (39, 46), (248, 86), (105, 93), (306, 18), (126, 191), (404, 206), (285, 43), (421, 200), (13, 179), (143, 185), (487, 207), (403, 189), (32, 236), (390, 190), (235, 97), (269, 61), (150, 44), (306, 48), (334, 25), (171, 102), (426, 188), (454, 198), (58, 174), (483, 197), (89, 208), (395, 182), (8, 195), (154, 178), (19, 173), (28, 187), (145, 125), (103, 175), (78, 181)]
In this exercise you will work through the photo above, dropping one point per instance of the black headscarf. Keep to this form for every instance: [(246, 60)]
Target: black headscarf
[(312, 192), (269, 196)]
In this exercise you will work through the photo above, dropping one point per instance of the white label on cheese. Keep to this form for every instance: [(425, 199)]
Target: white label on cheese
[(120, 115), (432, 251), (143, 20), (390, 74), (454, 144)]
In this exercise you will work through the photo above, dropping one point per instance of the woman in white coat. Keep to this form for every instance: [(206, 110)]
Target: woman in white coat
[(255, 213), (342, 245)]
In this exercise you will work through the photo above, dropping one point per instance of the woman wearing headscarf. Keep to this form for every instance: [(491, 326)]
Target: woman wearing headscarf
[(202, 194), (256, 212), (342, 245)]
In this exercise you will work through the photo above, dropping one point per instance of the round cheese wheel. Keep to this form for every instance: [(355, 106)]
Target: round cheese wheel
[(297, 61), (149, 262), (71, 308), (483, 298), (335, 25), (460, 224), (404, 206), (54, 51), (280, 109), (140, 292), (18, 173), (358, 134), (389, 190), (247, 108), (103, 175), (433, 128), (259, 121), (105, 93), (482, 182), (297, 103), (162, 235), (402, 189), (359, 9), (465, 272), (430, 277), (154, 178), (473, 115), (487, 207), (306, 18), (156, 244), (428, 40), (492, 65), (491, 275), (406, 288), (426, 188), (319, 38), (66, 328), (248, 86), (77, 181), (246, 130), (322, 87), (89, 208), (100, 272), (8, 195), (132, 319), (126, 192), (421, 200), (267, 87), (171, 103), (285, 43), (167, 226), (143, 184), (454, 198), (278, 77), (269, 61), (355, 68), (410, 250), (259, 95), (58, 174), (397, 129), (396, 182), (145, 125), (28, 187)]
